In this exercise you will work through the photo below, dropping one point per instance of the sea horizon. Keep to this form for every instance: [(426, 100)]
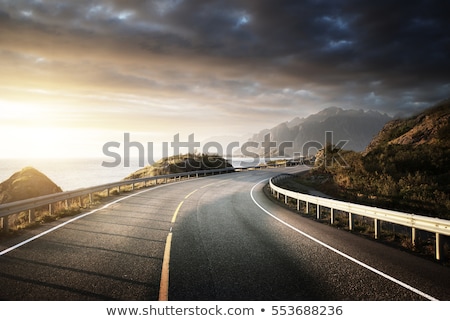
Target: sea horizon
[(74, 173), (70, 173)]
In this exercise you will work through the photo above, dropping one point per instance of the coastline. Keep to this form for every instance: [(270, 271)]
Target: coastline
[(74, 173), (69, 174)]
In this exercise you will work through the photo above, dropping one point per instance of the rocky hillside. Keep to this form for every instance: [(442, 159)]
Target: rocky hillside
[(406, 167), (430, 127), (26, 183), (181, 164), (357, 126)]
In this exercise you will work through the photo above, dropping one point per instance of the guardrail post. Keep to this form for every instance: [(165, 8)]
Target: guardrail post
[(377, 225), (307, 208), (439, 247), (350, 221), (318, 211), (298, 205), (50, 209), (285, 199), (90, 198), (413, 236), (5, 223), (331, 215), (31, 215)]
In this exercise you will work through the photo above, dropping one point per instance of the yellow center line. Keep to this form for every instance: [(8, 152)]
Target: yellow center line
[(187, 196), (207, 185), (164, 283), (174, 217)]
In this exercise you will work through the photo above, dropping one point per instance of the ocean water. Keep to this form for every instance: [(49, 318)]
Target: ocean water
[(71, 174)]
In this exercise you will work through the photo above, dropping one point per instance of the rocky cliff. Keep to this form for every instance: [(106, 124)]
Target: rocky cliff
[(181, 164), (431, 127), (26, 183)]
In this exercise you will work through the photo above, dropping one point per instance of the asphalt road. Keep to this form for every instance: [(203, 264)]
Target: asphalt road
[(227, 241)]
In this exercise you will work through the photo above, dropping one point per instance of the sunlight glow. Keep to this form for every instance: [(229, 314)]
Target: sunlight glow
[(48, 142)]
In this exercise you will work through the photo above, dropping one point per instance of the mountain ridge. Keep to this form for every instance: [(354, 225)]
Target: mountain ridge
[(431, 126), (358, 127)]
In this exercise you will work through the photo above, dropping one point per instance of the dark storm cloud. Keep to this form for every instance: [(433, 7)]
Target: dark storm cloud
[(385, 55)]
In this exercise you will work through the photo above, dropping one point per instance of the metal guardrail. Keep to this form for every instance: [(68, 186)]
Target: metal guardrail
[(419, 222), (31, 204)]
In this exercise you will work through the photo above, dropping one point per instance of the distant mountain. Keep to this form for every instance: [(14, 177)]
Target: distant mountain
[(26, 183), (356, 126)]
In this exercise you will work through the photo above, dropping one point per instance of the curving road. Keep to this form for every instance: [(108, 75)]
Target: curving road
[(214, 238)]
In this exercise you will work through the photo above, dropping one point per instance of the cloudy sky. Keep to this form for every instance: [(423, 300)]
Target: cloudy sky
[(77, 74)]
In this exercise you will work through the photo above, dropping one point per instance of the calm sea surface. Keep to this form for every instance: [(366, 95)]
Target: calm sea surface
[(71, 174)]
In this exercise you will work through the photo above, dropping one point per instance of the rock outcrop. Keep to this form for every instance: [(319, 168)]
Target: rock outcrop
[(27, 183)]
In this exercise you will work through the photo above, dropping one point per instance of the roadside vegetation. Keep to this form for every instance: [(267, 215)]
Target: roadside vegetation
[(182, 163), (408, 179), (406, 167)]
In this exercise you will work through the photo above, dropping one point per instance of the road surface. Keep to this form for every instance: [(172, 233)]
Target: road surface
[(213, 238)]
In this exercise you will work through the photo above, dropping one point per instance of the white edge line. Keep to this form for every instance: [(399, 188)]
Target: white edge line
[(370, 268), (12, 248)]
